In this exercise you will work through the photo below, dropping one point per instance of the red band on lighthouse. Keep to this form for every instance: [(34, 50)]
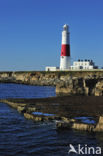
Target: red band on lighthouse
[(65, 50)]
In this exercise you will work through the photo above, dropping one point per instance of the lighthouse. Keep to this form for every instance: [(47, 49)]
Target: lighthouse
[(65, 49)]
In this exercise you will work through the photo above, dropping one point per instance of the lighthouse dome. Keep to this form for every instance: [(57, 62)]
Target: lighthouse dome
[(65, 27)]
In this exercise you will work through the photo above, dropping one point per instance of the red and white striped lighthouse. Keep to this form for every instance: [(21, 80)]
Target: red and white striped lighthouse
[(65, 49)]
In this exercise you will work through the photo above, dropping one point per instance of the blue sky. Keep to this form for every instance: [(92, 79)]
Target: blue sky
[(30, 32)]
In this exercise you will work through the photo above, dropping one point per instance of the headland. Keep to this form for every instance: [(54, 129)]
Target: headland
[(79, 82)]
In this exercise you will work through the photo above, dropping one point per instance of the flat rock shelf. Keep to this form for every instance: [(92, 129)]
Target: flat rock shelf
[(67, 111)]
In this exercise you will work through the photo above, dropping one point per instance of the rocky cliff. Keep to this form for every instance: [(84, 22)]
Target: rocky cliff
[(71, 83)]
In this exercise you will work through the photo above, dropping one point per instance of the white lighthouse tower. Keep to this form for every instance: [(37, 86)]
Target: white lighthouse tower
[(65, 49)]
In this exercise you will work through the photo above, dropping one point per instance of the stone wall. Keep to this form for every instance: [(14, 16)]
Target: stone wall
[(70, 83)]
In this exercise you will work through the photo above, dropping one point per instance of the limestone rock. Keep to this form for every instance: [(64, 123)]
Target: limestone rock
[(21, 109), (67, 119), (99, 88), (99, 126), (33, 117), (70, 83), (31, 109), (82, 126)]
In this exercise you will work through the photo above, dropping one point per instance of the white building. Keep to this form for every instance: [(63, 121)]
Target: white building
[(51, 68), (83, 64)]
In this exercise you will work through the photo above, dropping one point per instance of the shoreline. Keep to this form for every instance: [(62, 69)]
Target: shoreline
[(64, 111), (88, 83)]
